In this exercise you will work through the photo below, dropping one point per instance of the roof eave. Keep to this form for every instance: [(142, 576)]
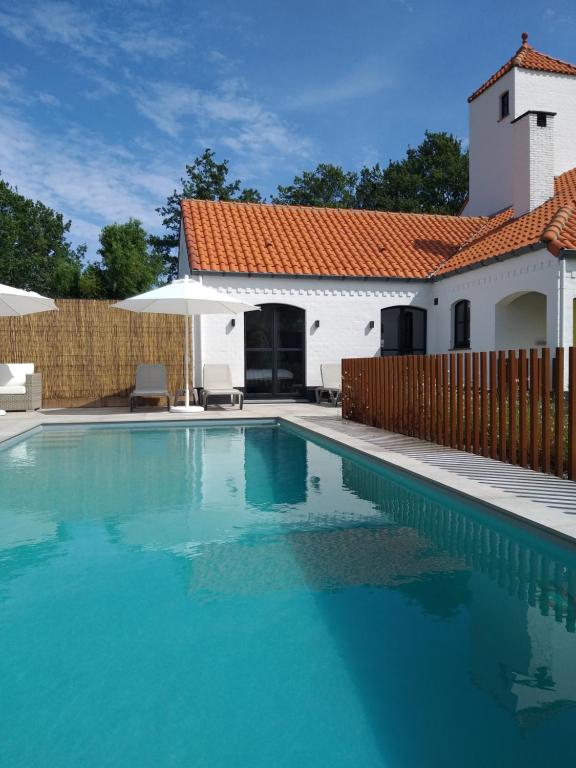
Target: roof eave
[(298, 276), (492, 260)]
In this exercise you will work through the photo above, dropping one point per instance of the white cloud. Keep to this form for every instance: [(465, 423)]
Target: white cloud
[(88, 181), (12, 89), (228, 117), (145, 42), (405, 4), (83, 32), (368, 78)]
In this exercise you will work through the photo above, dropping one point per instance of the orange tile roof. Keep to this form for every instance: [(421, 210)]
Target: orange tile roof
[(294, 240), (250, 238), (552, 224), (527, 58)]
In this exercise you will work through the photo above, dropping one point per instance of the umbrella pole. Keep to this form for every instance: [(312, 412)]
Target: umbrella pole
[(186, 408)]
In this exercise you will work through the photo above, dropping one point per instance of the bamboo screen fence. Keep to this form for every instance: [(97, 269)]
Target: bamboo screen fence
[(87, 352), (504, 405)]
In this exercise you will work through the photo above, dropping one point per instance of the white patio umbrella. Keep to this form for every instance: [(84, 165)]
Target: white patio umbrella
[(188, 298), (15, 302)]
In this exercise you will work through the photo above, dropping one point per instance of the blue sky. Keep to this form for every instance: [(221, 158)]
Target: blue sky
[(102, 103)]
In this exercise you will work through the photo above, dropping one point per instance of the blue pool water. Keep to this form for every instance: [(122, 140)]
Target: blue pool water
[(241, 596)]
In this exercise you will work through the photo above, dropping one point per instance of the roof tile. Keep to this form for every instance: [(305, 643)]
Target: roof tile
[(292, 240), (527, 58)]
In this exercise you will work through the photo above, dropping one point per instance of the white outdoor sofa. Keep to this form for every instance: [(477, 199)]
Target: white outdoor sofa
[(20, 387)]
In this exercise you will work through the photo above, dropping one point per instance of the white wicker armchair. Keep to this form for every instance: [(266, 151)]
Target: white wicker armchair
[(20, 387)]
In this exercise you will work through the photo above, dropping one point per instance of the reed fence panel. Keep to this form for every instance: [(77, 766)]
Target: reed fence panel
[(87, 352), (511, 406)]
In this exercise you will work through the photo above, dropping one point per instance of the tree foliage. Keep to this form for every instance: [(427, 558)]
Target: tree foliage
[(205, 179), (126, 266), (34, 251), (327, 186), (432, 178)]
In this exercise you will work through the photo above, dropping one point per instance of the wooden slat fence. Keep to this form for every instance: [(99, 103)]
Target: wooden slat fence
[(503, 405)]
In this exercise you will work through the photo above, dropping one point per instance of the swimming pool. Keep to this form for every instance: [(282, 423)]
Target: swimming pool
[(245, 596)]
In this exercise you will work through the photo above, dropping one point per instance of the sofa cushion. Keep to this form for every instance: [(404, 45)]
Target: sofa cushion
[(14, 374), (13, 389)]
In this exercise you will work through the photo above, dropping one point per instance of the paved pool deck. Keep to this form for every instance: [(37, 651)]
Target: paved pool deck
[(537, 499)]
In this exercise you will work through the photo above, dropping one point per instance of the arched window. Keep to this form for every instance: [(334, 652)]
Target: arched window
[(403, 331), (275, 350), (462, 324)]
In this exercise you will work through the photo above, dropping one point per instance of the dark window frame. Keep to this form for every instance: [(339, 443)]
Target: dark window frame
[(504, 105), (406, 316), (461, 324), (276, 349)]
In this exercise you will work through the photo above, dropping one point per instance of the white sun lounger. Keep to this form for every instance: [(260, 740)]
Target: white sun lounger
[(218, 382), (331, 383), (150, 382)]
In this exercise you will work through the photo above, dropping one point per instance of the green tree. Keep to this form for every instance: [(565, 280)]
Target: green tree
[(328, 186), (205, 179), (34, 251), (126, 267), (432, 178)]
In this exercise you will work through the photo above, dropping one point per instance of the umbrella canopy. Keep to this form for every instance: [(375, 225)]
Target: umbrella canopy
[(185, 297), (188, 298), (15, 302)]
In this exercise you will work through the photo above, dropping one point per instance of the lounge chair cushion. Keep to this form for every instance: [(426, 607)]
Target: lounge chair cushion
[(331, 376), (149, 391), (217, 377), (14, 375), (222, 391), (13, 390), (150, 380)]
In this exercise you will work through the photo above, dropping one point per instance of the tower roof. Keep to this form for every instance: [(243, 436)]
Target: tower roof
[(528, 58)]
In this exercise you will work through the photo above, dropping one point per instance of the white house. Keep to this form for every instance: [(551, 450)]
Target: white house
[(336, 283)]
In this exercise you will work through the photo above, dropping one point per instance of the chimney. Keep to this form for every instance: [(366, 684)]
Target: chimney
[(533, 160)]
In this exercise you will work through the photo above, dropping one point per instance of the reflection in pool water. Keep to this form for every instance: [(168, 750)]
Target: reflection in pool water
[(242, 596)]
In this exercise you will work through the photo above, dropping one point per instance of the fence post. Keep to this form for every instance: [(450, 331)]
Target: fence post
[(559, 412), (433, 400), (468, 402), (502, 421), (512, 405), (493, 407), (545, 408), (484, 402), (572, 413), (453, 402), (476, 402), (460, 401), (522, 404), (534, 398)]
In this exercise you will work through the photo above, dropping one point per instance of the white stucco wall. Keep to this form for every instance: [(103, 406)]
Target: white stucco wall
[(568, 308), (493, 161), (551, 93), (520, 321), (533, 168), (343, 307), (484, 288), (491, 155)]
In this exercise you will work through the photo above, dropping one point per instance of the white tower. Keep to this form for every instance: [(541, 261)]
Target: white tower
[(522, 132)]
